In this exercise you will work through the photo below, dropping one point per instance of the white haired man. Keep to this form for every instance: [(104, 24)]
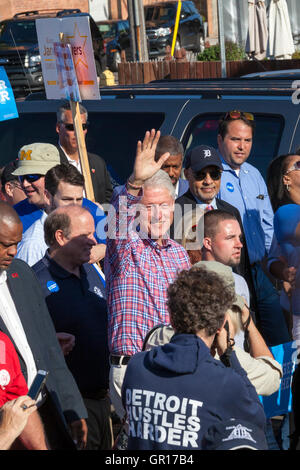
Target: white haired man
[(141, 263)]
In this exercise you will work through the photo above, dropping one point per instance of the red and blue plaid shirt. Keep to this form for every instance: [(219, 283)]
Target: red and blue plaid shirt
[(138, 272)]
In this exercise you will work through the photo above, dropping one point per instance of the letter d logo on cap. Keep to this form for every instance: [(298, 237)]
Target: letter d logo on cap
[(25, 155)]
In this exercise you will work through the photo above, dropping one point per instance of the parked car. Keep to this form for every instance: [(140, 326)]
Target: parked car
[(187, 109), (121, 41), (160, 22), (19, 52)]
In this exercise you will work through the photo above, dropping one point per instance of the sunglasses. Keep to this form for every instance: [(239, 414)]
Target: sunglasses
[(237, 115), (296, 166), (29, 178), (201, 175), (70, 127)]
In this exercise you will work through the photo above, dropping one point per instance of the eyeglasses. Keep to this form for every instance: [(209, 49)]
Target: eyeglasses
[(70, 127), (237, 115), (29, 178), (295, 167), (201, 175)]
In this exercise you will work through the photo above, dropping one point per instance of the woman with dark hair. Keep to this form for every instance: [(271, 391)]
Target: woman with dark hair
[(283, 182)]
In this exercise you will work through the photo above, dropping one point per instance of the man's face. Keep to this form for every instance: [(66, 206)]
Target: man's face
[(10, 236), (79, 243), (173, 167), (203, 184), (237, 143), (67, 138), (35, 191), (226, 246), (65, 195), (157, 212)]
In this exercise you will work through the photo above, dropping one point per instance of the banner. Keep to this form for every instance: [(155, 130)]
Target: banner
[(280, 402), (67, 80), (8, 108), (76, 31)]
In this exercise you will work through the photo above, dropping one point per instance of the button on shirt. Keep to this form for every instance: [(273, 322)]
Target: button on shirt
[(14, 325), (248, 193), (137, 272)]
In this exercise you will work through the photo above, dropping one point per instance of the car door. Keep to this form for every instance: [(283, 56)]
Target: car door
[(277, 121)]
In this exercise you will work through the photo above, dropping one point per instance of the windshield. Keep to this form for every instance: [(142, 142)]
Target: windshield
[(108, 30), (18, 32)]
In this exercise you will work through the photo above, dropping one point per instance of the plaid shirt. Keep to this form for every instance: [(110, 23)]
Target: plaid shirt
[(138, 272)]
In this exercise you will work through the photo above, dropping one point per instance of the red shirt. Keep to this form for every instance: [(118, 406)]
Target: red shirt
[(12, 381)]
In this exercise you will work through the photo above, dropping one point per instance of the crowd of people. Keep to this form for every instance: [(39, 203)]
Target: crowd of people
[(154, 305)]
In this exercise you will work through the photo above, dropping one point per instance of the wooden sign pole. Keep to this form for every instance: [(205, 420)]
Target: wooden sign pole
[(83, 158)]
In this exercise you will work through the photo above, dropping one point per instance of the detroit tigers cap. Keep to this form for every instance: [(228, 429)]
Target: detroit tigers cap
[(201, 157)]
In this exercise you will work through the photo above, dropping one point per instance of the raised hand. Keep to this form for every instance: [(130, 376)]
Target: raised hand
[(145, 165)]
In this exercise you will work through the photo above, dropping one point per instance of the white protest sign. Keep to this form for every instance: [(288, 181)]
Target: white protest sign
[(76, 31)]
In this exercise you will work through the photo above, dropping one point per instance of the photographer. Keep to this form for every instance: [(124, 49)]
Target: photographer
[(175, 399)]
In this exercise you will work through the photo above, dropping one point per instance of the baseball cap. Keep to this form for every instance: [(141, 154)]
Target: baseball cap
[(7, 172), (234, 434), (202, 156), (225, 272), (36, 158)]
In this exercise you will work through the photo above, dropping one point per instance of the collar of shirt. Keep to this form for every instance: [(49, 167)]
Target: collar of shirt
[(70, 160), (203, 205), (243, 168), (176, 190), (57, 269), (3, 277)]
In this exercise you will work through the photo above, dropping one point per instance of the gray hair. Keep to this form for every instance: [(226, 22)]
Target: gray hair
[(66, 106), (161, 179)]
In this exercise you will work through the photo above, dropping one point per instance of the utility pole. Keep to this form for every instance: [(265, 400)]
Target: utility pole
[(132, 29), (144, 57), (221, 37)]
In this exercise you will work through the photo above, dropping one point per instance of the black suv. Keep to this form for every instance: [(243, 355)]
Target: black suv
[(160, 22), (19, 51)]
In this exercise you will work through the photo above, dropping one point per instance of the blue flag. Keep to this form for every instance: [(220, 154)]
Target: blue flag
[(8, 108), (280, 402)]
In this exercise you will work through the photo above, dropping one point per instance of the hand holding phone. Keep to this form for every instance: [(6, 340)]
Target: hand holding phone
[(37, 384)]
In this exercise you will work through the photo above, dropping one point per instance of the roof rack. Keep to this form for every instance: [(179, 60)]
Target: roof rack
[(47, 11), (213, 88)]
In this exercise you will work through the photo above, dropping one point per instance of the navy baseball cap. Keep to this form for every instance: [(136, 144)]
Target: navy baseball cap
[(234, 434), (201, 157)]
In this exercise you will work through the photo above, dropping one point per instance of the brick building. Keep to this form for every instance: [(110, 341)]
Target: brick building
[(8, 8)]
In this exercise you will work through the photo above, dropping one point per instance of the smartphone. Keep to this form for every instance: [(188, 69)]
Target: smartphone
[(37, 384)]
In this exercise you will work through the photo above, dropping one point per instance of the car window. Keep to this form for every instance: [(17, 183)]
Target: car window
[(123, 27), (204, 129), (149, 13), (107, 30), (18, 32), (113, 137), (165, 13)]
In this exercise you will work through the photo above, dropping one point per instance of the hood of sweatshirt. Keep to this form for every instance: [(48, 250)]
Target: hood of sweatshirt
[(182, 355)]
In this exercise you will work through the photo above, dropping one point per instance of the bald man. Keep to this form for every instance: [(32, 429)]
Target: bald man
[(74, 295), (25, 319)]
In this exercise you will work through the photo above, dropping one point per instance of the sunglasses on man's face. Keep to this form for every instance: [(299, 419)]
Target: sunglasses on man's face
[(29, 178), (294, 167), (70, 126), (201, 175), (237, 115)]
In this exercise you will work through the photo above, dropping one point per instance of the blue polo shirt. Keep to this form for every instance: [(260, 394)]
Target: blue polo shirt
[(77, 306), (29, 213), (248, 193)]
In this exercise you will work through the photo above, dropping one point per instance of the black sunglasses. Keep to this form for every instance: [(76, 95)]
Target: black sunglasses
[(201, 175), (70, 127), (29, 178)]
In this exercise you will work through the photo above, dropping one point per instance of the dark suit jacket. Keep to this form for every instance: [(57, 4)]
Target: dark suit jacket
[(100, 176), (244, 268), (29, 300)]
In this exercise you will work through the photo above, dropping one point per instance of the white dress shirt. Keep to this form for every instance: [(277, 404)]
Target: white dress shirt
[(13, 323)]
